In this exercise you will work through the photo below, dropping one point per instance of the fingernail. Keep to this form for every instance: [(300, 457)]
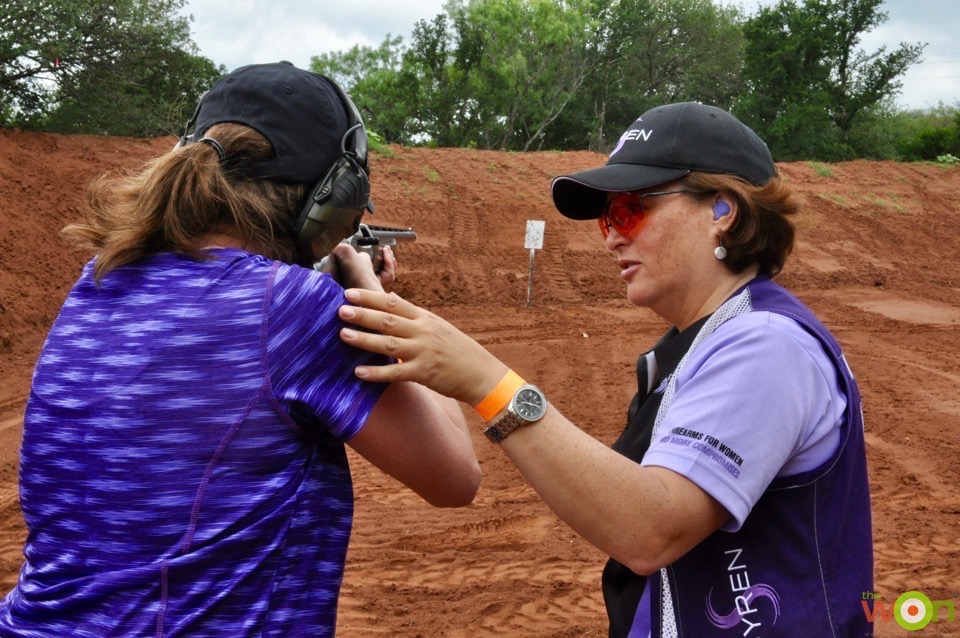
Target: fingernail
[(347, 312), (348, 335), (362, 373), (352, 295)]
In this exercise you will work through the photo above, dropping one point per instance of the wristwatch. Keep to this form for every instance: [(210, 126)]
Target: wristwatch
[(528, 405)]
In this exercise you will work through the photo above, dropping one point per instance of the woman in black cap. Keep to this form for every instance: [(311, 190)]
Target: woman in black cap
[(183, 470), (736, 500)]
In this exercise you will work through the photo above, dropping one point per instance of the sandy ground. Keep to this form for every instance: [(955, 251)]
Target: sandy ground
[(878, 259)]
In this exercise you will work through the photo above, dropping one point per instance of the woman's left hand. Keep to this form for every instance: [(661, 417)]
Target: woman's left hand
[(433, 352)]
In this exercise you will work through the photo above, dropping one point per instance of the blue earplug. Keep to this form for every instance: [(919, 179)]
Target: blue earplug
[(720, 209)]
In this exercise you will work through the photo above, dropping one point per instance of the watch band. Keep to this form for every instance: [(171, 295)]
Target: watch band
[(499, 430), (500, 396)]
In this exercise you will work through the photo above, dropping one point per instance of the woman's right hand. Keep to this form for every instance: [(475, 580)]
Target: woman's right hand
[(432, 352), (354, 269)]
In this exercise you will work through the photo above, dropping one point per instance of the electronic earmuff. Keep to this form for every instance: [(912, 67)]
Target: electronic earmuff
[(720, 209), (336, 204), (333, 209)]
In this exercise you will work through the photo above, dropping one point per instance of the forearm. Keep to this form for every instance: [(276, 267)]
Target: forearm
[(452, 409), (422, 442), (644, 517), (622, 508)]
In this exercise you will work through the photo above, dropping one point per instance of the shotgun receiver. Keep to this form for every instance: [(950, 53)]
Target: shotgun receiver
[(371, 240)]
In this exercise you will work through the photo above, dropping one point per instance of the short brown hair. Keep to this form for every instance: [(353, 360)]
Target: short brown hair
[(183, 195), (762, 234)]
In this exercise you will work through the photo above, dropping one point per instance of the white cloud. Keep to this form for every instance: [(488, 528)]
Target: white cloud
[(239, 32), (934, 23)]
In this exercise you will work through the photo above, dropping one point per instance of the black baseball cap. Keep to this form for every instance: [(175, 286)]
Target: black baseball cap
[(664, 144), (299, 112)]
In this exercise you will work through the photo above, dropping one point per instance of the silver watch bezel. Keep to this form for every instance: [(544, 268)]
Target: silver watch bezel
[(502, 427)]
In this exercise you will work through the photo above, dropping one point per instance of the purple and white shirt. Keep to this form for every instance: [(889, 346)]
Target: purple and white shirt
[(757, 400), (183, 470), (762, 412)]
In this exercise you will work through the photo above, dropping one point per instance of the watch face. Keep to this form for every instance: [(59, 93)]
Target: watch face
[(530, 404)]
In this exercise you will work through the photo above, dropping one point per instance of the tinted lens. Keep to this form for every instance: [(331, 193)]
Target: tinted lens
[(623, 213)]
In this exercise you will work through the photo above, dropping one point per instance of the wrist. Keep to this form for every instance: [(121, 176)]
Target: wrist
[(499, 396)]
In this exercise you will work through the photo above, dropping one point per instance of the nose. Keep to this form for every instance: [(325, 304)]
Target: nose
[(614, 240)]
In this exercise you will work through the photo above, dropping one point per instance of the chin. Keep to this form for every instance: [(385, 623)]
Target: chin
[(638, 297)]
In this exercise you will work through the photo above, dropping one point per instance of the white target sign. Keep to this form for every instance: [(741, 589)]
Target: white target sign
[(534, 238)]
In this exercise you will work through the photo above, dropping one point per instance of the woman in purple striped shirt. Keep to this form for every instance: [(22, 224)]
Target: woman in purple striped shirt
[(183, 469)]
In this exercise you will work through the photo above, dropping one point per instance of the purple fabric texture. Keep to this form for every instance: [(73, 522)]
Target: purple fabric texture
[(183, 471)]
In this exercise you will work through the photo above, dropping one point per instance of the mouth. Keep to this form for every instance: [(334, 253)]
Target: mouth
[(628, 268)]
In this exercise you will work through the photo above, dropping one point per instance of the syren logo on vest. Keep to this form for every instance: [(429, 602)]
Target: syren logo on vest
[(746, 596)]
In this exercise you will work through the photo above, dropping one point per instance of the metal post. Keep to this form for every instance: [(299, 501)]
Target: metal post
[(533, 251)]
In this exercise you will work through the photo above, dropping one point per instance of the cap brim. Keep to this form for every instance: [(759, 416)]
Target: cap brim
[(583, 195)]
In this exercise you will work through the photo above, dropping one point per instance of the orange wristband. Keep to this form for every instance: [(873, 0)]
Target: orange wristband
[(500, 396)]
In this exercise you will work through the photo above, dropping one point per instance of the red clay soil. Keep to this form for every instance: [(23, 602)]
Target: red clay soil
[(878, 259)]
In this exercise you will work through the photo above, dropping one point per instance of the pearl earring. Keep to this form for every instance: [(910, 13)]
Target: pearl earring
[(720, 253)]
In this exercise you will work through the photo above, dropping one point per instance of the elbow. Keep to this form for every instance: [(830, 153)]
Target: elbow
[(641, 565), (458, 492), (647, 558), (453, 499)]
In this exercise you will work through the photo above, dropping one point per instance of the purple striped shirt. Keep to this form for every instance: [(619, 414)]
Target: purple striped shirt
[(183, 471)]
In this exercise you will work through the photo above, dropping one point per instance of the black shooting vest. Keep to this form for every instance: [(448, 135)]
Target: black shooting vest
[(800, 563), (622, 588)]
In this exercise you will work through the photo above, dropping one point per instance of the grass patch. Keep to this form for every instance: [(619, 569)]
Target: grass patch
[(820, 169), (877, 200), (378, 145), (432, 176), (836, 199)]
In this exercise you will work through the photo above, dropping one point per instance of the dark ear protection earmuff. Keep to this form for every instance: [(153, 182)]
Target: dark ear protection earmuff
[(335, 205), (720, 209)]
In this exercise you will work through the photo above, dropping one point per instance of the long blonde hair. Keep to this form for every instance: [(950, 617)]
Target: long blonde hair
[(181, 196)]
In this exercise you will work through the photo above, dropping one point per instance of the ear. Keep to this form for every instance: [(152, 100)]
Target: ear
[(724, 212), (721, 208)]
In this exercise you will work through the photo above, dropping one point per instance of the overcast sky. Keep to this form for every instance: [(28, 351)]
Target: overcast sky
[(239, 32)]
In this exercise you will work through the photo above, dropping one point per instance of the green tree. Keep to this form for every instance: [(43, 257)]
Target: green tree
[(528, 62), (374, 79), (487, 73), (442, 70), (809, 81), (114, 67), (524, 74), (649, 52), (106, 98)]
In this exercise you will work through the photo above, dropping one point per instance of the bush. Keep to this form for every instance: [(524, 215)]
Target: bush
[(935, 132)]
